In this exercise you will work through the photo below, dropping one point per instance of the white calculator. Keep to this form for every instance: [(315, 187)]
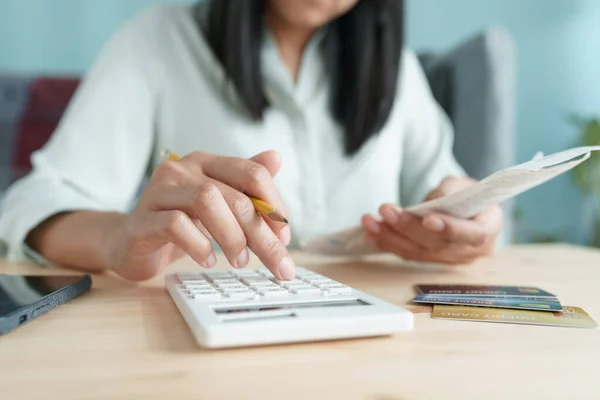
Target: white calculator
[(234, 308)]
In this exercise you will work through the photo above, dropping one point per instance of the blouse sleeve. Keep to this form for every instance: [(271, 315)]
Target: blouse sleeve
[(98, 155)]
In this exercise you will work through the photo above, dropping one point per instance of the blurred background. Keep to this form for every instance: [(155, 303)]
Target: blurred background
[(544, 56)]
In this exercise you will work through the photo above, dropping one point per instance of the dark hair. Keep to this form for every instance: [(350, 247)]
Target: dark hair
[(366, 46)]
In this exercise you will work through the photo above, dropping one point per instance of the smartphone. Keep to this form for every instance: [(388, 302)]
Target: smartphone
[(24, 298)]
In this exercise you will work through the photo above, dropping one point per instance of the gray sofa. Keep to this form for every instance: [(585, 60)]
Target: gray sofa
[(475, 83)]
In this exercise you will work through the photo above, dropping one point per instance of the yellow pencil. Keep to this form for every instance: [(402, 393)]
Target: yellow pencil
[(265, 209)]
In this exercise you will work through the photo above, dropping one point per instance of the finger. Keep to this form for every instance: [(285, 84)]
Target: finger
[(205, 206), (173, 227), (202, 228), (457, 230), (178, 253), (205, 203), (452, 254), (411, 227), (448, 186), (246, 176), (371, 224), (492, 218), (216, 216), (260, 238), (185, 173), (389, 241), (272, 162)]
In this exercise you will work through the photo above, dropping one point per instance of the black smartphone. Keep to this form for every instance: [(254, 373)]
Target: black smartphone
[(23, 298)]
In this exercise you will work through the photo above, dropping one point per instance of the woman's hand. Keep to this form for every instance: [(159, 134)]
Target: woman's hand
[(201, 196), (437, 237)]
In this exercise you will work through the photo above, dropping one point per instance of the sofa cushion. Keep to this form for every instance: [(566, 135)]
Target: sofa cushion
[(47, 100), (30, 110)]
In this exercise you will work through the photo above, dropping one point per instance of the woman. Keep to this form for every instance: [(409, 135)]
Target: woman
[(313, 106)]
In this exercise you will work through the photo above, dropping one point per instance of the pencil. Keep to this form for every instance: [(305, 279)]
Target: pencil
[(265, 209)]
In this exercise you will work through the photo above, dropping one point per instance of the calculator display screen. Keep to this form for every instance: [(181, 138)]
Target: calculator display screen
[(270, 307)]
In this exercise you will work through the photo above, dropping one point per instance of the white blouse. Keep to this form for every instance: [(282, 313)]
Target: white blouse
[(157, 85)]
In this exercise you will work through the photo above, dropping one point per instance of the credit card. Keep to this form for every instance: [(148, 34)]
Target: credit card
[(573, 317), (484, 290), (519, 303)]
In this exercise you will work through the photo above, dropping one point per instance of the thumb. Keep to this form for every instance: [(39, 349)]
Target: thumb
[(450, 185), (270, 160)]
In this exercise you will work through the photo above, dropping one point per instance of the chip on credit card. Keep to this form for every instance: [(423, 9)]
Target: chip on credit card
[(520, 303), (484, 291), (573, 317)]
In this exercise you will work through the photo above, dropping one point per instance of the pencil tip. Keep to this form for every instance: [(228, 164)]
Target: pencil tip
[(286, 220)]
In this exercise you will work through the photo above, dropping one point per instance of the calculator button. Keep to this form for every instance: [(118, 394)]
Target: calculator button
[(207, 295), (233, 286), (305, 290), (304, 273), (318, 280), (302, 285), (200, 288), (293, 282), (272, 286), (226, 281), (251, 279), (217, 274), (259, 284), (331, 285), (242, 288), (337, 289), (247, 274), (241, 294), (267, 273), (194, 281), (324, 285), (273, 292), (189, 275), (310, 276)]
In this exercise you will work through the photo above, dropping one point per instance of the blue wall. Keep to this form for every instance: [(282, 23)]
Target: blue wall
[(60, 36), (558, 47)]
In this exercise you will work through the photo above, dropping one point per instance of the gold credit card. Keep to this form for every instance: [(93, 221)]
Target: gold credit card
[(573, 317)]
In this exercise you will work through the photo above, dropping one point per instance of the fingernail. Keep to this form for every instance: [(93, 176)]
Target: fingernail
[(389, 216), (371, 225), (287, 270), (286, 235), (370, 238), (243, 259), (434, 223), (211, 261)]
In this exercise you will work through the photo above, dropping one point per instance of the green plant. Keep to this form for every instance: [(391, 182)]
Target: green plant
[(587, 175)]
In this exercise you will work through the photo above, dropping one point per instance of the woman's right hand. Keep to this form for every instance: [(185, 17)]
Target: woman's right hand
[(198, 197)]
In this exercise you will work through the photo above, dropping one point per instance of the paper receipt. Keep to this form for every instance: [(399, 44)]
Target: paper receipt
[(494, 189)]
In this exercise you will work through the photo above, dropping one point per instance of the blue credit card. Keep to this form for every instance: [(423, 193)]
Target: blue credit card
[(484, 291), (517, 303)]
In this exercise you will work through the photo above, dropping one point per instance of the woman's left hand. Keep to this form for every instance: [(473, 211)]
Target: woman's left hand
[(438, 237)]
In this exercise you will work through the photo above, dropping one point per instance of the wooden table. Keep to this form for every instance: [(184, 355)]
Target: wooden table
[(128, 341)]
